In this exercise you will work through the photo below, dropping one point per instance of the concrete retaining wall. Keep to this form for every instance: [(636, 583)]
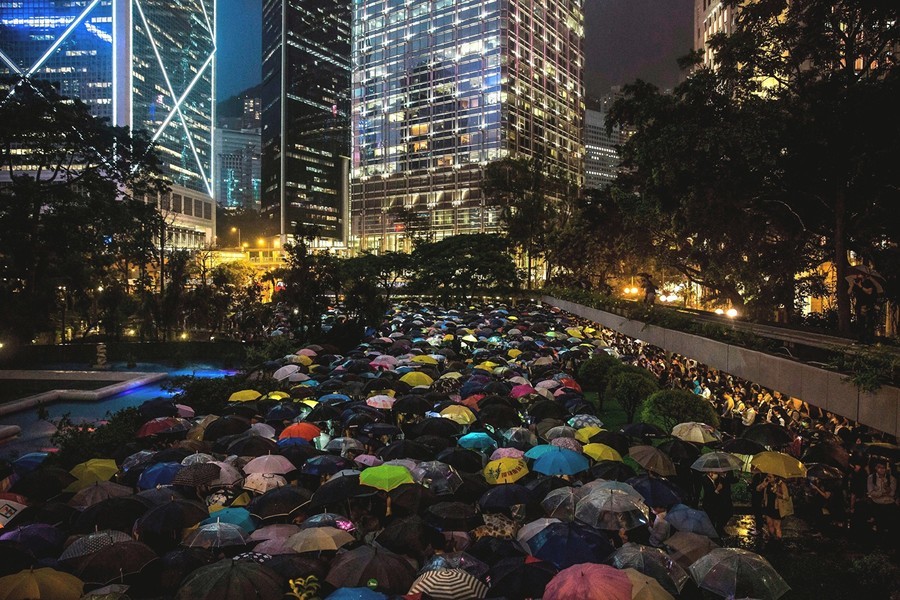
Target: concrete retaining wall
[(819, 387)]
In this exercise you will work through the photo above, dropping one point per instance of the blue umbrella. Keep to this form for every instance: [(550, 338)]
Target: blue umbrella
[(564, 462), (29, 462), (292, 441), (477, 441), (538, 451), (234, 516), (282, 412), (685, 518), (656, 491), (159, 474), (567, 544), (356, 594), (334, 398)]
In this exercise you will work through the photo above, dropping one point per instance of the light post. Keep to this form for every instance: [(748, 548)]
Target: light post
[(238, 231)]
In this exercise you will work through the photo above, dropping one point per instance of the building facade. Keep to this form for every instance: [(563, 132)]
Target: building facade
[(711, 17), (601, 156), (238, 174), (441, 88), (305, 116), (146, 64)]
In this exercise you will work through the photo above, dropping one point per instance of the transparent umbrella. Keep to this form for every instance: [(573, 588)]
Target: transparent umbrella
[(216, 535), (737, 573), (611, 509), (560, 503), (652, 562)]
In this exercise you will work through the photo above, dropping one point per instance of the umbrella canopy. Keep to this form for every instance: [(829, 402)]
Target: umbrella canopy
[(417, 378), (161, 528), (92, 542), (449, 584), (612, 470), (589, 582), (567, 544), (652, 562), (263, 482), (279, 503), (742, 446), (231, 580), (115, 562), (234, 515), (611, 509), (43, 484), (718, 462), (698, 433), (197, 474), (737, 573), (477, 441), (355, 568), (560, 503), (40, 584), (601, 452), (692, 520), (656, 491), (505, 470), (679, 450), (561, 462), (385, 477), (215, 535), (113, 513), (93, 471), (769, 435), (440, 478), (644, 587), (159, 474), (306, 431), (521, 577), (653, 460), (778, 463), (685, 547), (453, 516), (42, 540), (97, 492), (269, 463), (319, 539), (245, 396)]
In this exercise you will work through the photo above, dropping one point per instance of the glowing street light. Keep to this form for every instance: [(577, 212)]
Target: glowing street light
[(238, 231), (731, 313)]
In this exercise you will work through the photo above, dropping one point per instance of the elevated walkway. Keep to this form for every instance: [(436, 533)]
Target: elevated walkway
[(819, 387)]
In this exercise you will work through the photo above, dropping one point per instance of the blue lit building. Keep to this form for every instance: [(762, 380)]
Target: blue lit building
[(146, 64), (443, 87)]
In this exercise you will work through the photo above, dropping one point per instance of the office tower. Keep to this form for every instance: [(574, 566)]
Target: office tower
[(441, 88), (305, 110), (237, 181), (147, 64), (711, 17), (601, 157)]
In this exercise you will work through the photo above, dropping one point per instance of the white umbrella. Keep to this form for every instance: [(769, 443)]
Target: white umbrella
[(263, 482), (285, 372), (269, 463), (699, 433)]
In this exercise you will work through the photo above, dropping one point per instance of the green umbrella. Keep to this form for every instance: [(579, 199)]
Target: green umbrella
[(231, 580), (385, 477)]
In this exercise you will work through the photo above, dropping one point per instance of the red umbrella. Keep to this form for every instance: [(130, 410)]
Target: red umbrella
[(589, 582), (163, 425), (307, 431)]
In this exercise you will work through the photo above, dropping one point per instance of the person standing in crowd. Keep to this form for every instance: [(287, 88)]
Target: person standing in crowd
[(881, 489), (777, 504), (756, 498), (717, 500), (649, 289), (864, 294)]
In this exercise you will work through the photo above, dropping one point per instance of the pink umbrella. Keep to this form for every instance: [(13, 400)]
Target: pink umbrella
[(521, 390), (306, 352), (184, 411), (507, 453), (269, 463), (589, 582), (550, 384), (385, 360), (381, 401), (565, 442), (369, 460)]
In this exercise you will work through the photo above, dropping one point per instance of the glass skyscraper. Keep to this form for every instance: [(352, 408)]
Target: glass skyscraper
[(305, 116), (147, 64), (443, 87)]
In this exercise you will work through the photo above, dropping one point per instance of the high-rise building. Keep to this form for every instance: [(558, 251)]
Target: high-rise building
[(237, 180), (305, 116), (601, 157), (711, 17), (147, 64), (441, 88)]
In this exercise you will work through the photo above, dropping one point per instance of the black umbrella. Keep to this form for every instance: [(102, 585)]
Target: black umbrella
[(282, 412), (643, 430), (15, 557), (657, 491), (412, 404), (115, 563), (161, 527), (769, 435), (197, 475), (405, 449), (679, 450), (612, 469), (491, 550), (356, 568), (742, 446), (279, 504), (438, 426), (829, 454), (500, 416), (410, 499), (43, 484), (225, 426), (616, 441), (252, 445), (502, 498), (114, 513), (453, 516), (337, 491), (518, 578), (298, 453), (410, 536), (172, 454), (177, 564), (547, 409), (326, 464), (323, 412), (567, 544), (462, 459), (158, 407)]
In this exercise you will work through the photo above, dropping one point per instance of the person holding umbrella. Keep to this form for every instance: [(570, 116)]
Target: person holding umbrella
[(777, 503)]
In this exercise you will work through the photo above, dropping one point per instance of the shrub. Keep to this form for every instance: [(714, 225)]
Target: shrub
[(668, 408), (876, 575), (593, 374), (84, 441), (629, 389), (209, 395)]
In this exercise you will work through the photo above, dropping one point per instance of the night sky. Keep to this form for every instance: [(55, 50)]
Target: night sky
[(624, 40)]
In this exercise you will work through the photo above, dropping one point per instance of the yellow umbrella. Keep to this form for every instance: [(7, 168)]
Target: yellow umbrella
[(92, 471), (644, 587), (459, 413), (470, 338), (575, 332), (513, 353), (277, 395), (779, 463), (415, 378), (451, 375), (424, 359), (244, 396), (601, 452), (41, 584), (585, 434), (487, 365), (303, 360), (196, 432), (309, 402), (505, 470)]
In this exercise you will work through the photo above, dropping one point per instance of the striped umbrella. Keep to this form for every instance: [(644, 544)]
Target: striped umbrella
[(449, 584)]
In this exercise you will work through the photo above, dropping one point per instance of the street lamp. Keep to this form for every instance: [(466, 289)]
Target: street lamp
[(238, 231)]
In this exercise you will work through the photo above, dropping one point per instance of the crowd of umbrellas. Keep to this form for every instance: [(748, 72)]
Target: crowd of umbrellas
[(449, 456)]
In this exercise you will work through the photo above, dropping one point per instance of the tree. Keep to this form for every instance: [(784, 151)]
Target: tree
[(368, 281), (459, 266), (67, 214), (528, 195), (668, 408), (629, 390), (829, 72), (593, 374)]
